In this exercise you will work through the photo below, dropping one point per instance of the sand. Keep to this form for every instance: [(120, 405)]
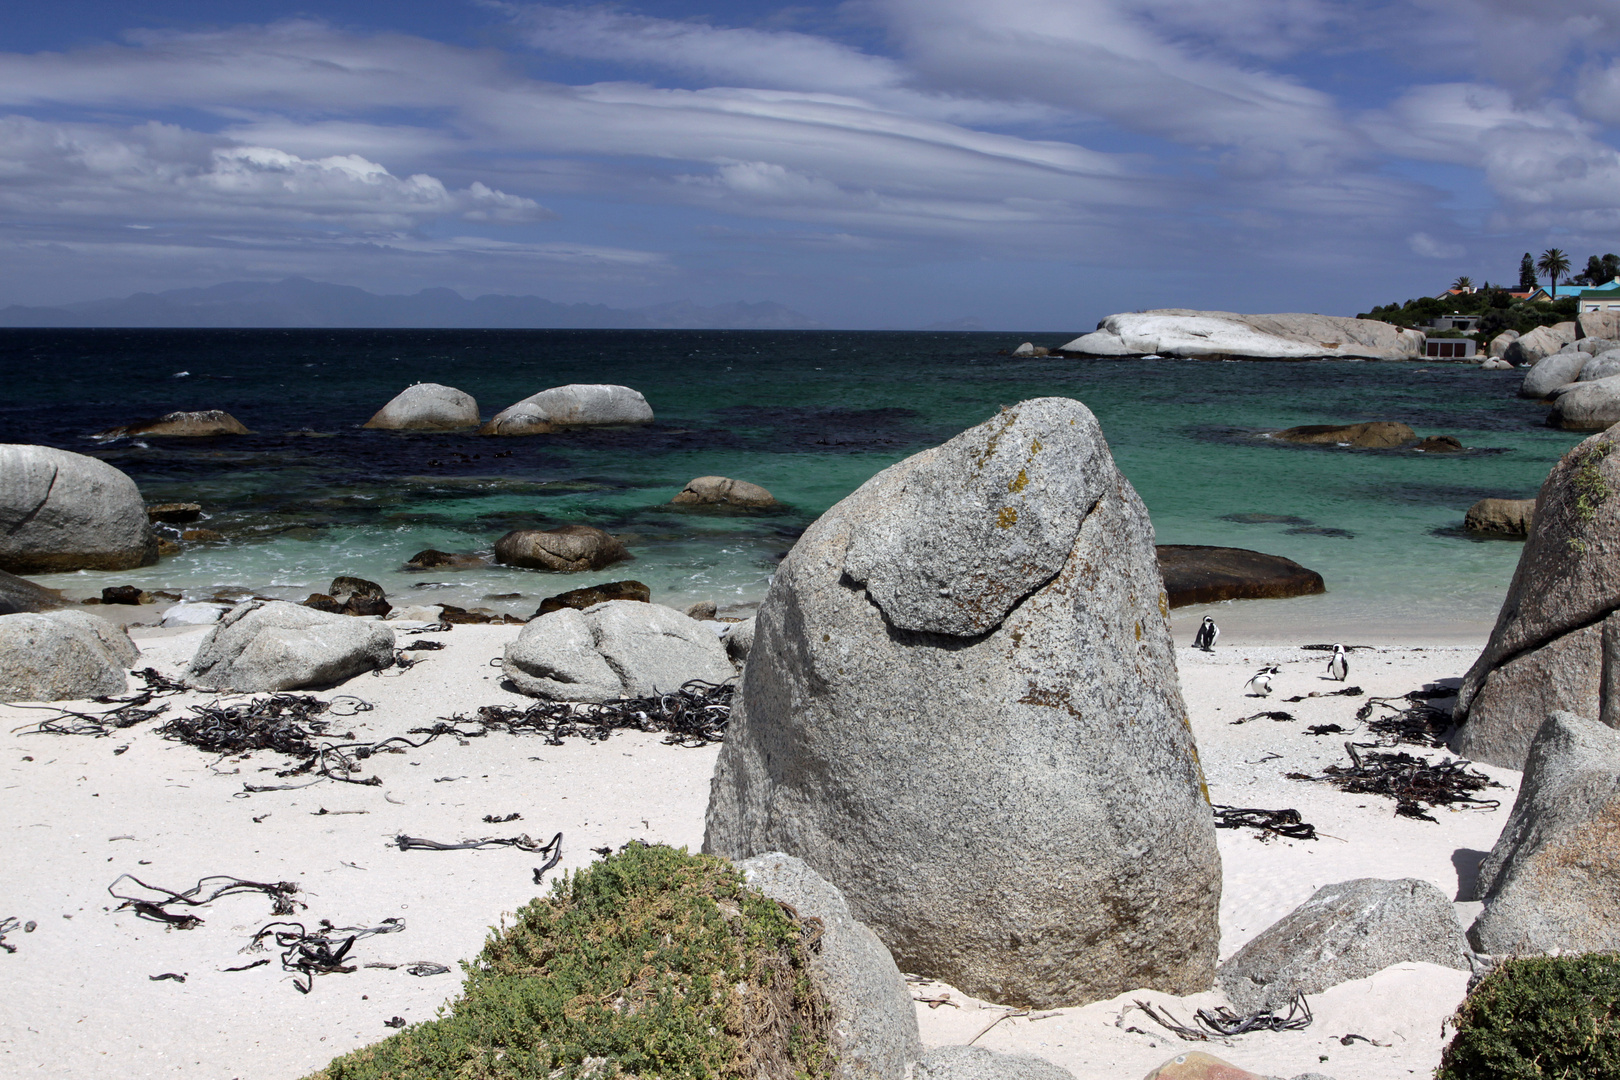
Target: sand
[(77, 812)]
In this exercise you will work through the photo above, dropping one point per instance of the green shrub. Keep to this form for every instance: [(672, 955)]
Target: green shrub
[(1540, 1018), (651, 962)]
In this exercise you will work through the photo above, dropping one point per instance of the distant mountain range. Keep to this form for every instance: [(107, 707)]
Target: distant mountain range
[(300, 302)]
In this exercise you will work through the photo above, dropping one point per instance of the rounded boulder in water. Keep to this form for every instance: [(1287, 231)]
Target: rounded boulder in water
[(427, 407), (65, 511)]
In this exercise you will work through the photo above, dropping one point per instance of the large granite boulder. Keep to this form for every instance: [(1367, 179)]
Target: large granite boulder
[(1197, 574), (1345, 931), (575, 405), (66, 511), (196, 425), (427, 407), (1553, 879), (1546, 651), (270, 645), (1501, 341), (1602, 365), (62, 655), (567, 547), (1542, 341), (961, 706), (21, 596), (1586, 406), (1598, 324), (977, 1063), (1181, 332), (1370, 435), (623, 648), (1501, 517), (1551, 372), (874, 1021), (723, 491)]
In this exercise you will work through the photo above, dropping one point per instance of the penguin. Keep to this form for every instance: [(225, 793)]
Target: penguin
[(1208, 634), (1339, 666), (1261, 681)]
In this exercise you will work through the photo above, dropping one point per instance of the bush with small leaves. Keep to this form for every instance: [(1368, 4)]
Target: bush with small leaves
[(1540, 1018)]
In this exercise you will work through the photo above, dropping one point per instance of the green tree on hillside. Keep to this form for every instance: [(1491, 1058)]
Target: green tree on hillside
[(1463, 284), (1527, 274), (1600, 270), (1555, 264)]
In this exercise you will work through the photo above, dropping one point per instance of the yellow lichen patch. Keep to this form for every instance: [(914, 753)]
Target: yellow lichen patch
[(1007, 517), (1164, 604), (1037, 446), (1019, 482), (1138, 631)]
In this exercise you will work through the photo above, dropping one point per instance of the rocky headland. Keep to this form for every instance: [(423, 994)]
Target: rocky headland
[(1224, 335)]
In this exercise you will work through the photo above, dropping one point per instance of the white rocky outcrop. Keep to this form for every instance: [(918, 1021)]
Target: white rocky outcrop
[(1188, 334), (427, 407), (574, 405)]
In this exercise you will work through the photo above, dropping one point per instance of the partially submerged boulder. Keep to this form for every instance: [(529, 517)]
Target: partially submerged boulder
[(65, 511), (1547, 649), (964, 640), (21, 596), (427, 407), (62, 655), (623, 648), (568, 548), (575, 405), (1440, 444), (1198, 574), (1345, 931), (1029, 348), (977, 1063), (180, 513), (1587, 406), (1501, 341), (1542, 341), (1552, 882), (1182, 332), (432, 559), (1495, 363), (591, 595), (1501, 517), (1371, 435), (272, 645), (874, 1022), (723, 491), (201, 424)]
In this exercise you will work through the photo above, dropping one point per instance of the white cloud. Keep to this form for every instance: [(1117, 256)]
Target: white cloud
[(1427, 246)]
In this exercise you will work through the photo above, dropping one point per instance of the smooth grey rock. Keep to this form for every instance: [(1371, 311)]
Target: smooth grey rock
[(1543, 341), (575, 405), (1501, 341), (702, 611), (201, 424), (1495, 363), (62, 655), (739, 639), (555, 657), (1587, 406), (873, 1017), (567, 547), (194, 614), (1601, 366), (427, 407), (622, 648), (1551, 372), (1183, 332), (1019, 813), (65, 511), (1553, 879), (1598, 324), (1345, 931), (723, 491), (1501, 517), (272, 645), (1568, 578), (977, 1063), (19, 595)]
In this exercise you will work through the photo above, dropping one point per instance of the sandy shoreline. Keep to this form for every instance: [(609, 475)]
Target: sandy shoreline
[(79, 814)]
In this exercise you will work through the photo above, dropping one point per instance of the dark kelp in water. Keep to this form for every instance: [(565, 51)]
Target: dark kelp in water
[(1411, 781)]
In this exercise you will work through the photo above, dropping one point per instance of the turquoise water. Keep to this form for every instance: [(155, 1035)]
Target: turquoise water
[(808, 415)]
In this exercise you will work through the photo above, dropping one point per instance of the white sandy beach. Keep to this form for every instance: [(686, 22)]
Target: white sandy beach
[(77, 812)]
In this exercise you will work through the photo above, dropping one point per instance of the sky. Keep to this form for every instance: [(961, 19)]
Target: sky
[(1032, 164)]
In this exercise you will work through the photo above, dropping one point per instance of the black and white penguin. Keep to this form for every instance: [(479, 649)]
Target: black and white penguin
[(1208, 634), (1339, 666), (1261, 681)]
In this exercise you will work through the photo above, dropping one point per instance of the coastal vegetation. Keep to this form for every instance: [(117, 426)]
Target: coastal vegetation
[(1540, 1017)]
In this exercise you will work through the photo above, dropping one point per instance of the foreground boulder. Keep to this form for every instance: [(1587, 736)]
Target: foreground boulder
[(723, 491), (427, 407), (1551, 372), (62, 655), (1196, 574), (1372, 435), (64, 511), (196, 425), (569, 547), (977, 1063), (590, 596), (1546, 652), (1346, 931), (1199, 335), (1501, 517), (270, 645), (1587, 406), (1542, 341), (933, 715), (1551, 880), (21, 596), (623, 648), (575, 405), (874, 1022)]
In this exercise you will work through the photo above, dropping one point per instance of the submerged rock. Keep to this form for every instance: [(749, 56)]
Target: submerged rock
[(568, 547), (591, 595), (1501, 517), (432, 559), (1440, 444), (1196, 574), (963, 640), (1371, 435), (723, 491), (62, 655), (427, 407), (174, 513), (271, 645), (202, 424), (63, 511), (622, 648), (1181, 332), (575, 405)]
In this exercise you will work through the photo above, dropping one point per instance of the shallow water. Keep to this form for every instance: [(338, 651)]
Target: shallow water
[(809, 415)]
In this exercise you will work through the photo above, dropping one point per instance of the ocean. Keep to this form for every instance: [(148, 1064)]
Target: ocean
[(809, 415)]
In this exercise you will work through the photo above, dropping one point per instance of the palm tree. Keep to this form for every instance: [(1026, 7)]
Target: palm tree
[(1554, 263), (1463, 284)]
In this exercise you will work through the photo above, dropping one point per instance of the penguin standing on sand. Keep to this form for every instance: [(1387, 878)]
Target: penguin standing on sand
[(1261, 681), (1339, 666), (1208, 634)]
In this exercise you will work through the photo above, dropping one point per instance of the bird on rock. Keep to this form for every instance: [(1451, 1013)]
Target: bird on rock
[(1261, 681), (1339, 666), (1208, 634)]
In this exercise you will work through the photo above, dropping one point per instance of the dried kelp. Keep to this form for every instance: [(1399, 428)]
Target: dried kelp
[(1274, 714), (7, 925), (130, 710), (1223, 1022), (286, 723), (1268, 823), (416, 843), (319, 953), (1417, 722), (154, 906), (694, 715), (1348, 691), (1412, 782)]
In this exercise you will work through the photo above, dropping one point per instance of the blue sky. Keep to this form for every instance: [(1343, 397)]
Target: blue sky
[(1033, 164)]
